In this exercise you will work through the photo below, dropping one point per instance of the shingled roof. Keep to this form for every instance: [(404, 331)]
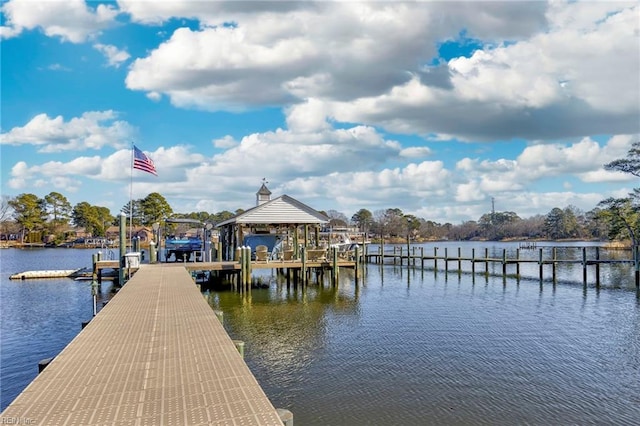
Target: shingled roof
[(281, 210)]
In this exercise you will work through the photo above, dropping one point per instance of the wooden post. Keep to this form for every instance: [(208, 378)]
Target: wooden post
[(584, 265), (540, 264), (597, 266), (249, 268), (504, 262), (518, 262), (286, 416), (435, 258), (473, 261), (459, 260), (304, 263), (239, 344), (357, 261), (243, 268), (486, 260), (636, 259), (446, 259), (394, 255), (334, 271), (94, 261), (422, 257), (408, 249), (413, 256), (123, 246), (554, 264)]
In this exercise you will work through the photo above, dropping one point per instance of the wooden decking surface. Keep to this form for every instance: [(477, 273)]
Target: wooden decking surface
[(155, 355)]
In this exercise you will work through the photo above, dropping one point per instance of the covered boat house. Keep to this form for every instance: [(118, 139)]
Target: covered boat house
[(282, 224)]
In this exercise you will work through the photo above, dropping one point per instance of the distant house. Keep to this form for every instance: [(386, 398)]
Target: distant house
[(142, 232), (75, 233)]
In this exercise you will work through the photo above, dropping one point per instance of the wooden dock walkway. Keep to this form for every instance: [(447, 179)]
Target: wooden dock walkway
[(156, 354)]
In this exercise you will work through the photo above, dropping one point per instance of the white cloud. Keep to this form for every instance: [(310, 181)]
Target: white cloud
[(92, 130), (282, 52), (115, 56), (315, 56), (415, 152), (310, 116), (225, 142), (557, 84), (72, 20), (54, 174), (58, 67), (154, 96), (585, 158), (289, 154)]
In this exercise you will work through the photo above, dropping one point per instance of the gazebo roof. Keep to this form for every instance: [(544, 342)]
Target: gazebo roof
[(283, 210)]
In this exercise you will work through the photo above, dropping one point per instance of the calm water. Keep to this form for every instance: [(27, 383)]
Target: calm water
[(404, 346), (38, 318)]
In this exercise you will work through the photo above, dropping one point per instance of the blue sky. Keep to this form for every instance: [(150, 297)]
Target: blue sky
[(431, 107)]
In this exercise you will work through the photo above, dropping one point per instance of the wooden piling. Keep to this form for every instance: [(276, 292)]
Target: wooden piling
[(636, 258), (486, 260), (473, 261), (584, 265), (435, 258), (334, 266), (304, 263), (504, 262), (541, 264), (357, 261), (446, 259), (554, 263), (597, 266)]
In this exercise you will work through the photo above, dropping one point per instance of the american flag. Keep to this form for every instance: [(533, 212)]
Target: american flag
[(142, 162)]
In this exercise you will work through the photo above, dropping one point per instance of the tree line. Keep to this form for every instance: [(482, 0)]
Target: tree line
[(611, 219)]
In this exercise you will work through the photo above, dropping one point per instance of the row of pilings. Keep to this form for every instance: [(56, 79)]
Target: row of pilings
[(414, 255), (299, 271)]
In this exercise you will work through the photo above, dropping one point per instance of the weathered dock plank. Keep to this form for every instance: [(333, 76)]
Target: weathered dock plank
[(156, 354)]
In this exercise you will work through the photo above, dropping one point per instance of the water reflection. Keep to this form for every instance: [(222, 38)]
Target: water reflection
[(408, 346)]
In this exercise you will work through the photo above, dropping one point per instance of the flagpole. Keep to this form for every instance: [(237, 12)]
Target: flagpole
[(131, 201)]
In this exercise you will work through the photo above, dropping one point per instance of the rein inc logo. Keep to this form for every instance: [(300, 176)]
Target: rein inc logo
[(17, 421)]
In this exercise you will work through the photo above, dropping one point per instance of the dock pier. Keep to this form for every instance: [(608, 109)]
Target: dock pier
[(411, 255), (156, 354)]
